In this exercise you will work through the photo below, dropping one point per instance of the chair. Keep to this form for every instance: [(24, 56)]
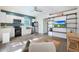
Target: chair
[(72, 42)]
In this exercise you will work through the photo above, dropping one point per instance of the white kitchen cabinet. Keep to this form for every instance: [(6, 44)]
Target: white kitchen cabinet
[(5, 37), (50, 33), (5, 18), (2, 17), (2, 35), (9, 29), (9, 19), (12, 33)]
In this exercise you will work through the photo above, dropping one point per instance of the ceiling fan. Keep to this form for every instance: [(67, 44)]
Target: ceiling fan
[(37, 10)]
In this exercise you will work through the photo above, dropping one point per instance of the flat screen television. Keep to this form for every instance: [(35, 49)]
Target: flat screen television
[(59, 24)]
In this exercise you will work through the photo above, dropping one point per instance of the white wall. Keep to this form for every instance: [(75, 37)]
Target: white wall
[(40, 18), (2, 17), (45, 29), (40, 24)]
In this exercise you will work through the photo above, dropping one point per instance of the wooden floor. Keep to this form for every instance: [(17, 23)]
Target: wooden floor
[(19, 43)]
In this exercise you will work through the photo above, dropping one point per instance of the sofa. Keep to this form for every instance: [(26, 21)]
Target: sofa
[(39, 45)]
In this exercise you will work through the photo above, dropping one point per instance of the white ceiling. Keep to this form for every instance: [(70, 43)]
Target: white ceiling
[(55, 9), (29, 10)]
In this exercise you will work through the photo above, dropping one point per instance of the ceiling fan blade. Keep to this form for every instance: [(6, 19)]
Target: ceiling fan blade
[(36, 9)]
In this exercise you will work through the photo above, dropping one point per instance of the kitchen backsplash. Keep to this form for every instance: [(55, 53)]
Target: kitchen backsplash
[(4, 25)]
